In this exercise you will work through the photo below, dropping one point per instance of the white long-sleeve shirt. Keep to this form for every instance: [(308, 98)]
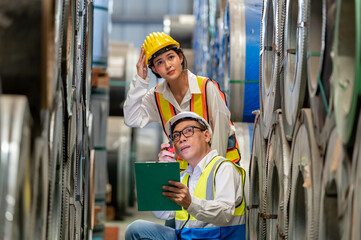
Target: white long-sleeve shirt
[(228, 194), (140, 108)]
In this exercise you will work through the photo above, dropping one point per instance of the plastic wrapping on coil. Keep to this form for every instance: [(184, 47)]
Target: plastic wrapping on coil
[(257, 175), (306, 175), (334, 188), (347, 67), (15, 167), (270, 60), (241, 38), (278, 181)]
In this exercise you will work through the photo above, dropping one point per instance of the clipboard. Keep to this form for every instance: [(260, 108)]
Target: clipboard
[(149, 179)]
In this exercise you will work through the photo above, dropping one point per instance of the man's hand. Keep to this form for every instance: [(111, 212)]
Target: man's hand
[(141, 66), (178, 193), (166, 154)]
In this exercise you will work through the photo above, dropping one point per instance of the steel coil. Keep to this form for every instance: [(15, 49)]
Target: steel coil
[(59, 31), (89, 57), (40, 181), (16, 194), (294, 79), (68, 51), (244, 134), (319, 65), (257, 172), (100, 33), (241, 38), (278, 181), (56, 153), (100, 110), (306, 180), (347, 67), (335, 185), (201, 37), (270, 61), (352, 224)]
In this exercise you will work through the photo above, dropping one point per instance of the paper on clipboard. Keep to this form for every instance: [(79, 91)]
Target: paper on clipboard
[(149, 179)]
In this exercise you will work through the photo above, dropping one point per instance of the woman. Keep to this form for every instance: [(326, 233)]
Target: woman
[(181, 91)]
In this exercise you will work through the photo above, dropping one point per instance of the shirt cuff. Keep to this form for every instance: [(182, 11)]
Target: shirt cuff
[(143, 81)]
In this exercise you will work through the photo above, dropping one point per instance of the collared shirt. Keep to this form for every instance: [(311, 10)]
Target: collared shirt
[(140, 108), (228, 193)]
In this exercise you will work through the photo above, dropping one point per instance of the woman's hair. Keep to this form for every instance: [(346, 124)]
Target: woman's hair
[(163, 50)]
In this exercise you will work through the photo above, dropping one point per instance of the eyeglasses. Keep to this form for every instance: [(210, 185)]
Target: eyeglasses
[(187, 132)]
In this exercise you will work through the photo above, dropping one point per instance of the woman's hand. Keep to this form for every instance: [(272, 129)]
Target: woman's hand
[(141, 66), (165, 155)]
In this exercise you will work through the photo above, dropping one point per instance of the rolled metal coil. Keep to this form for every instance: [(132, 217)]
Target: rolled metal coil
[(16, 194), (201, 37), (271, 54), (68, 51), (319, 65), (334, 189), (294, 79), (306, 180), (40, 180), (257, 172), (89, 57), (56, 153), (60, 23), (278, 181), (347, 67), (241, 32), (100, 33), (244, 134), (352, 224), (100, 109)]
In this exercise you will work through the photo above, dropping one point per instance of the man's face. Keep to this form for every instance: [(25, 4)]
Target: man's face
[(194, 147)]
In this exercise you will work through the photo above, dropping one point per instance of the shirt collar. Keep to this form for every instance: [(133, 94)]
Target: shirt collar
[(203, 163), (192, 82)]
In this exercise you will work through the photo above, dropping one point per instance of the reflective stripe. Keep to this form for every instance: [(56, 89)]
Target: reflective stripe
[(205, 189), (210, 181), (194, 223)]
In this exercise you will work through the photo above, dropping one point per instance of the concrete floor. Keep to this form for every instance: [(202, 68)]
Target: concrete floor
[(132, 215)]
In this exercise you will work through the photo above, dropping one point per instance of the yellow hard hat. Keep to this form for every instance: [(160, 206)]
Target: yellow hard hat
[(156, 41)]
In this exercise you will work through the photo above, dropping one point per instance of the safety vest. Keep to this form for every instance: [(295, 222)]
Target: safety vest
[(198, 105), (191, 228)]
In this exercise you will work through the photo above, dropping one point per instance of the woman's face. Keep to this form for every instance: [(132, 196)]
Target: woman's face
[(168, 65)]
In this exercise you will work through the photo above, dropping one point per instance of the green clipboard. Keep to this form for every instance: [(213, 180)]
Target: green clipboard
[(149, 179)]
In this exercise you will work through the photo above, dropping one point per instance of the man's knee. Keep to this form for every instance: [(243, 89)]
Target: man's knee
[(132, 231)]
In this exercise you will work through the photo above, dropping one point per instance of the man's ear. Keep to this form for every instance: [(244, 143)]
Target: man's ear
[(208, 135)]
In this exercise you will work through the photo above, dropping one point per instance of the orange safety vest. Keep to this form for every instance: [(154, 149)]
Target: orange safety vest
[(198, 105)]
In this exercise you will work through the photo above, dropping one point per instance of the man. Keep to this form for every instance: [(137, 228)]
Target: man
[(210, 191)]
